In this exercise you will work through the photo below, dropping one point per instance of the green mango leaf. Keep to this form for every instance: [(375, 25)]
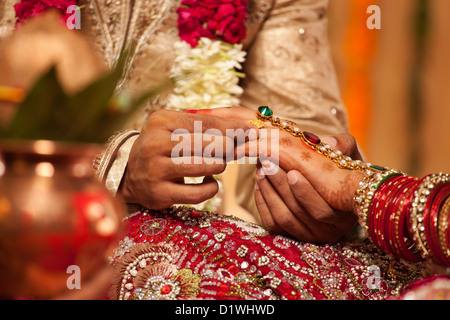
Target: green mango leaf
[(87, 106), (115, 118), (33, 114), (91, 115)]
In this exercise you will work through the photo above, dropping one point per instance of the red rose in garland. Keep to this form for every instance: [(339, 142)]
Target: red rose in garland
[(209, 59), (212, 19)]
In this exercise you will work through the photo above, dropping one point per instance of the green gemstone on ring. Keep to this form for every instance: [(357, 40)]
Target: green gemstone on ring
[(265, 111)]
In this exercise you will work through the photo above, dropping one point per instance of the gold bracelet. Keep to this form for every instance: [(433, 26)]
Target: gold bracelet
[(364, 195), (264, 113), (103, 161), (373, 174)]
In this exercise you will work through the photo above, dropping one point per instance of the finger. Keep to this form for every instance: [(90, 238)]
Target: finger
[(309, 209), (265, 214), (345, 143), (185, 144), (281, 215), (213, 149), (265, 145), (336, 185), (191, 167), (202, 123), (315, 205), (230, 113), (304, 193), (280, 184), (176, 193)]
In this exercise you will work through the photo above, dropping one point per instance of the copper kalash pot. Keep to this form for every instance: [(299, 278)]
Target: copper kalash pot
[(55, 219)]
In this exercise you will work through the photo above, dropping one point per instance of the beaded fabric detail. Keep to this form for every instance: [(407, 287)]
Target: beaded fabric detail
[(181, 253)]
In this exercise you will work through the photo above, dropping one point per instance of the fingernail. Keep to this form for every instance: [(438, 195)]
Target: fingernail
[(266, 163), (292, 177), (191, 111), (331, 141), (259, 174), (256, 185)]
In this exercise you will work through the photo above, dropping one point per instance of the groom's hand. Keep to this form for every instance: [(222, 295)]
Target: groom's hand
[(155, 173)]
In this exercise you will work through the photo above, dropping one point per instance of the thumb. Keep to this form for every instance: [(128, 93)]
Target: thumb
[(345, 143)]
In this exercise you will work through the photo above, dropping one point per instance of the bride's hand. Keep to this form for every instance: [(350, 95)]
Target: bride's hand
[(288, 203), (331, 187), (336, 185)]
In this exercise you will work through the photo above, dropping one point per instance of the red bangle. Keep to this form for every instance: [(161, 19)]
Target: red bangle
[(373, 208), (376, 207), (407, 247), (380, 203), (384, 222), (403, 200), (391, 204), (397, 196), (437, 199)]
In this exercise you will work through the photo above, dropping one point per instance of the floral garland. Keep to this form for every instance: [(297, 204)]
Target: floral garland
[(208, 57), (209, 54)]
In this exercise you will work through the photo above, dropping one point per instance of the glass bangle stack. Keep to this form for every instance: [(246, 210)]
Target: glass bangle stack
[(404, 216)]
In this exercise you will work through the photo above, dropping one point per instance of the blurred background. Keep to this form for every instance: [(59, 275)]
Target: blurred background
[(395, 81)]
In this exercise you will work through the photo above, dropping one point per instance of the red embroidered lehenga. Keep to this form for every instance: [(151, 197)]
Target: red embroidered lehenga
[(181, 253)]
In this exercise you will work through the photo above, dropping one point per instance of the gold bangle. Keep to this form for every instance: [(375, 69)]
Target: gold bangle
[(103, 161), (364, 195)]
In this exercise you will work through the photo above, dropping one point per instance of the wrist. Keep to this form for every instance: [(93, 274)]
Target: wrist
[(125, 190), (110, 166), (366, 189)]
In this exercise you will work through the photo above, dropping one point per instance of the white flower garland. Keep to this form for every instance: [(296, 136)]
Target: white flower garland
[(207, 77)]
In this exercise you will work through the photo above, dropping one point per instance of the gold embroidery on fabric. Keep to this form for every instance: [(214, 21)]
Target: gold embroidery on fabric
[(120, 22), (258, 10), (7, 17)]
